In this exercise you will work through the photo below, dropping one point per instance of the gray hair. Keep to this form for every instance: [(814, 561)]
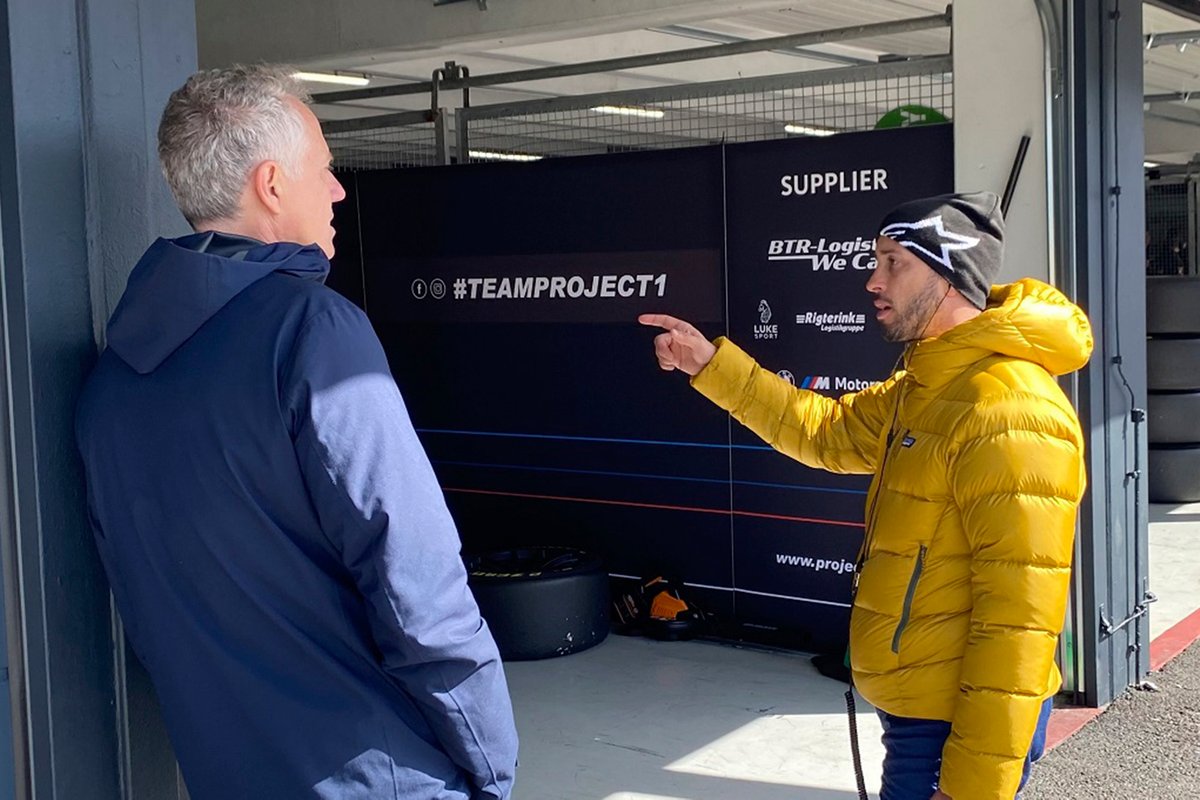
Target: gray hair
[(220, 125)]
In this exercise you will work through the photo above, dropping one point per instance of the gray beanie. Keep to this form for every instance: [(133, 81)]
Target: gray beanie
[(960, 237)]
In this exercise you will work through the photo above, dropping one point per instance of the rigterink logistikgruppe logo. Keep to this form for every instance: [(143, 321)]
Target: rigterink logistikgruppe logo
[(833, 321)]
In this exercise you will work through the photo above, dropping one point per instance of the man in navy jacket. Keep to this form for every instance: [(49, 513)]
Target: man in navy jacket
[(277, 543)]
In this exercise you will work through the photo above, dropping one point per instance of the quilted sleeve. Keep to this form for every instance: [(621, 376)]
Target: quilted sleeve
[(1017, 488), (841, 435)]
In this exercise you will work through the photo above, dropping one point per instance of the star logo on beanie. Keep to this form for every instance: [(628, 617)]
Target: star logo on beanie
[(947, 240), (969, 263)]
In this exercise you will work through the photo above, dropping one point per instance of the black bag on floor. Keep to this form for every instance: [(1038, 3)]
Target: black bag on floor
[(659, 608)]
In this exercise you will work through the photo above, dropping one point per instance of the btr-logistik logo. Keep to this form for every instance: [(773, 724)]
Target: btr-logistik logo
[(818, 383), (765, 329), (833, 321), (824, 254)]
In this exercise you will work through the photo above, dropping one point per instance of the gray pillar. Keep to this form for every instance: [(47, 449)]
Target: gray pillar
[(1104, 58), (81, 86)]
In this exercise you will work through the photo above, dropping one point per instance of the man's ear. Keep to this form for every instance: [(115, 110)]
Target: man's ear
[(265, 182)]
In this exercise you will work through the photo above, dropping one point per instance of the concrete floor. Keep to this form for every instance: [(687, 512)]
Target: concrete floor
[(635, 719), (1174, 564)]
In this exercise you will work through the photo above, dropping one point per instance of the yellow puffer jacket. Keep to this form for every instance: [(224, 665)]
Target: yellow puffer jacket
[(978, 462)]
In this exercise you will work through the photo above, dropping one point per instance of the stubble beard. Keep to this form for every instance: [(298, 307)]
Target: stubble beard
[(912, 321)]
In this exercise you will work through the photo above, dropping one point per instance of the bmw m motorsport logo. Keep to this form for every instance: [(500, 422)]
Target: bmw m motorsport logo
[(840, 383)]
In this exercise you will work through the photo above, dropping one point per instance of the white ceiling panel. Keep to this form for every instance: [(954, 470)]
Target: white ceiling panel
[(1172, 129), (1166, 68), (815, 15)]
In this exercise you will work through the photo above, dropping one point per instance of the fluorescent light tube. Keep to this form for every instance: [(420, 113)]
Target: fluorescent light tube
[(495, 155), (808, 130), (332, 77), (630, 111)]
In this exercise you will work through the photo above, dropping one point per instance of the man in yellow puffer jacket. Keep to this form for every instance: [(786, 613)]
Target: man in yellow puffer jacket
[(977, 454)]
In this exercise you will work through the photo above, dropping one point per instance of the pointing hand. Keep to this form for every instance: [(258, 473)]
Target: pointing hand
[(682, 347)]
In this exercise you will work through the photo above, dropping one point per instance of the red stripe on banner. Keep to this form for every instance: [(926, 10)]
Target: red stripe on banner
[(658, 506)]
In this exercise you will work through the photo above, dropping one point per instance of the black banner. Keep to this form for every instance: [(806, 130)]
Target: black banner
[(802, 219), (545, 414), (506, 296)]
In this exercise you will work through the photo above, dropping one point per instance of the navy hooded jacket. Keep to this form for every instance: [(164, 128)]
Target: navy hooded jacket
[(277, 543)]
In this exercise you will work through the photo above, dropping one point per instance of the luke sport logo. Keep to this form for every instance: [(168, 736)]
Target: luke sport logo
[(765, 329), (838, 383)]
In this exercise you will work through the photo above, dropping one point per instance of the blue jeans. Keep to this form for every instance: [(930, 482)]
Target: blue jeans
[(913, 754)]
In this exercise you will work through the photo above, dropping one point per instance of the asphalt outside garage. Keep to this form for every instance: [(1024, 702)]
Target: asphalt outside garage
[(1144, 746)]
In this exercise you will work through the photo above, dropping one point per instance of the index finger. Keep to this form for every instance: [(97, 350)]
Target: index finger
[(664, 321)]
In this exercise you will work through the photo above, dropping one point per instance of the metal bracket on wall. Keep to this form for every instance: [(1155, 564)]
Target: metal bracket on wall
[(456, 74), (1107, 628)]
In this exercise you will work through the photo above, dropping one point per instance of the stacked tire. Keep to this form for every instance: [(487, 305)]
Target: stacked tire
[(1173, 377), (541, 602)]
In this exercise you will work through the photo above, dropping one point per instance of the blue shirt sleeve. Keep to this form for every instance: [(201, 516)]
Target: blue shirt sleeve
[(381, 506)]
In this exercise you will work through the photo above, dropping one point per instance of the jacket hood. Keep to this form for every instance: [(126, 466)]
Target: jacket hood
[(1028, 319), (179, 284)]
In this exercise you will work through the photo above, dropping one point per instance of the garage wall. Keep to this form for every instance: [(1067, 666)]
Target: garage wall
[(81, 84)]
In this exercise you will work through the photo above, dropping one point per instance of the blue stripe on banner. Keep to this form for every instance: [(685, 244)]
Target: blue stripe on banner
[(796, 487), (594, 439)]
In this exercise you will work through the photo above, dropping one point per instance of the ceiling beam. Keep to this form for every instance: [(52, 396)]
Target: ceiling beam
[(1179, 38), (650, 59)]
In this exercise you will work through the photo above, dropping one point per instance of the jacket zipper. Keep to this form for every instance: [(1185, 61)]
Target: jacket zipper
[(908, 598)]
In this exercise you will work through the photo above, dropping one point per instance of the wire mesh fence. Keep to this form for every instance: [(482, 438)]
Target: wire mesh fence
[(407, 139), (815, 103), (1170, 227)]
